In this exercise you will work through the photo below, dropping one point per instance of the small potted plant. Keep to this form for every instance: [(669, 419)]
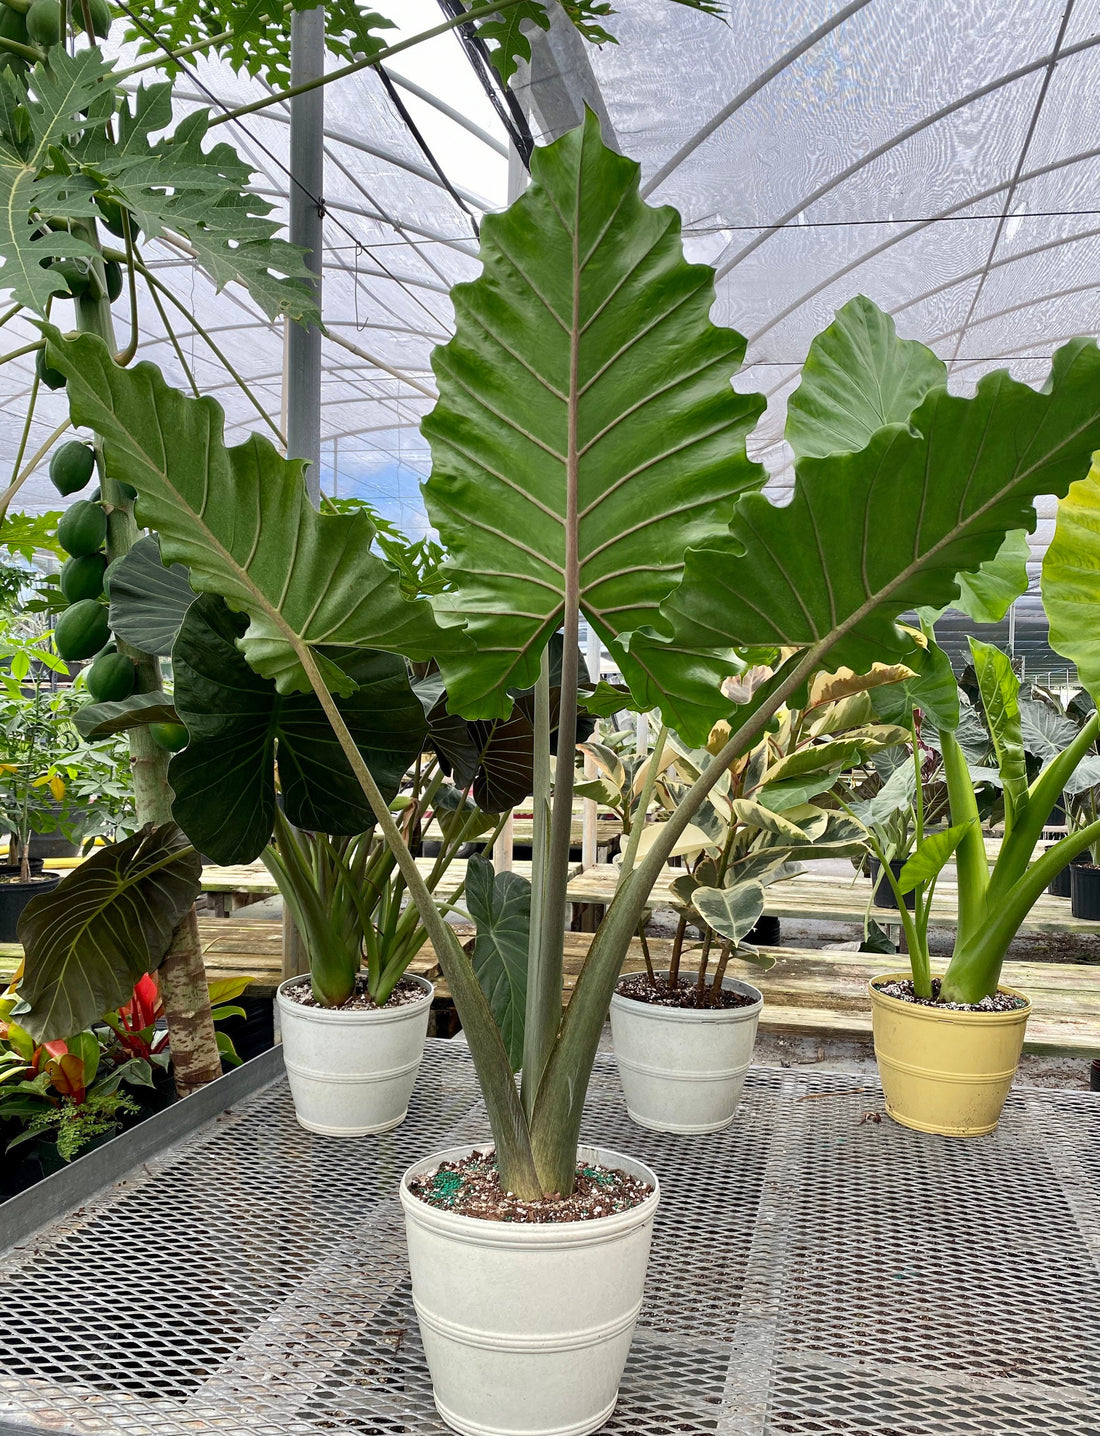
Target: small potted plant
[(29, 770), (588, 458), (683, 1040)]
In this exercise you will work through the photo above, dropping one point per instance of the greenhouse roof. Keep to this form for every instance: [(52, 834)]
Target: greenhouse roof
[(939, 156)]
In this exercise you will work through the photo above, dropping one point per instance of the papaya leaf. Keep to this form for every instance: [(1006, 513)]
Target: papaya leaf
[(1000, 694), (148, 600), (100, 720), (242, 729), (1071, 580), (240, 520), (857, 377), (586, 428), (945, 488), (931, 857), (106, 924), (500, 905), (57, 99)]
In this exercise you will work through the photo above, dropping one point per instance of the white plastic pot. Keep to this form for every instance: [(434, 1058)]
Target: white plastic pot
[(682, 1069), (352, 1073), (526, 1328)]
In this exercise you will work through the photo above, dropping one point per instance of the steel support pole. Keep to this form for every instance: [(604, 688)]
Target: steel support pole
[(306, 186), (302, 367)]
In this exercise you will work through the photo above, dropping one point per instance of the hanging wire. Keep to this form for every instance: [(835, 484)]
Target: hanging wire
[(1048, 75), (414, 130), (221, 105), (508, 108)]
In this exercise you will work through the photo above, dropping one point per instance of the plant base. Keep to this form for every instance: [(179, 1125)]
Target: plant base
[(943, 1071), (526, 1329), (682, 1069), (14, 897), (351, 1073)]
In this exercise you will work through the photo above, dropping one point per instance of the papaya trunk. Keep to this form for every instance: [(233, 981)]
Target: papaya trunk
[(182, 976)]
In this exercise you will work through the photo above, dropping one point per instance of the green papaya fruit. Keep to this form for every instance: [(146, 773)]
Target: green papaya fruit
[(52, 378), (44, 22), (113, 271), (82, 630), (172, 736), (83, 577), (71, 467), (110, 678), (77, 274), (82, 528), (101, 17)]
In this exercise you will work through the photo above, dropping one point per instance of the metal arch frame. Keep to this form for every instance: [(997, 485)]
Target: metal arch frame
[(918, 127), (785, 60), (378, 152), (1082, 158)]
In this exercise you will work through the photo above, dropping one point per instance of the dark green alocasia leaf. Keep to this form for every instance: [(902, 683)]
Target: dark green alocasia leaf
[(871, 534), (1000, 694), (241, 521), (857, 377), (586, 425), (147, 600), (1071, 580), (500, 905), (104, 926), (100, 720), (242, 729)]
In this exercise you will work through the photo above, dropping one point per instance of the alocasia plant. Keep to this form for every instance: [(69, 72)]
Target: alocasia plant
[(620, 429)]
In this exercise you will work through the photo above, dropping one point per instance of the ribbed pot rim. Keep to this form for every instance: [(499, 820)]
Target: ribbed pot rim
[(551, 1235), (712, 1015), (364, 1016), (947, 1014)]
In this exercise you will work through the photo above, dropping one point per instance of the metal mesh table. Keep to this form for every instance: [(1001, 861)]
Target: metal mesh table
[(815, 1270)]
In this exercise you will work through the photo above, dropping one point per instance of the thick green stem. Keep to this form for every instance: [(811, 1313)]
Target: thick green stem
[(540, 1017), (645, 797), (182, 975), (971, 862), (506, 1117), (975, 968)]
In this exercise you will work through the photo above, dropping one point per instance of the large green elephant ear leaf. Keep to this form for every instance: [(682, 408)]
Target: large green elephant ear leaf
[(105, 925), (241, 522), (240, 728), (500, 905), (1071, 580), (999, 690), (148, 600), (868, 535), (857, 377), (586, 431)]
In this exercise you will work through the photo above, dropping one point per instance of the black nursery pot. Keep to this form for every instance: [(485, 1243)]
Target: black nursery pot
[(766, 933), (884, 893), (14, 897), (1059, 885), (11, 870), (1084, 890)]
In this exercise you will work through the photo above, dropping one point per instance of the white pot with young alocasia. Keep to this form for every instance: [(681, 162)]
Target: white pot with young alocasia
[(352, 1070), (682, 1068), (526, 1328)]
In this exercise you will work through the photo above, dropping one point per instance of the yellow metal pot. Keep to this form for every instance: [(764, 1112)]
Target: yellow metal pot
[(944, 1071)]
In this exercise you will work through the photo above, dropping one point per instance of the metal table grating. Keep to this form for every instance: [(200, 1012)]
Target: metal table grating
[(814, 1271)]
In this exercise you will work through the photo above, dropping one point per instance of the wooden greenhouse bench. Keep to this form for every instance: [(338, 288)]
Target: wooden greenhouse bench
[(828, 899), (809, 992)]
